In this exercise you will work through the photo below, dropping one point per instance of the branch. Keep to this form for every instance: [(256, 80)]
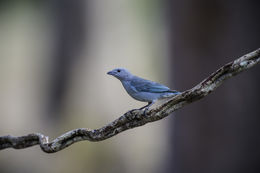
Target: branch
[(135, 118)]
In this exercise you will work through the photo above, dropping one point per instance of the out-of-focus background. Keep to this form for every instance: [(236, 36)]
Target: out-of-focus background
[(54, 55)]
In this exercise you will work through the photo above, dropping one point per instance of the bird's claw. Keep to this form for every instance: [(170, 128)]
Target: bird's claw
[(131, 111), (146, 109)]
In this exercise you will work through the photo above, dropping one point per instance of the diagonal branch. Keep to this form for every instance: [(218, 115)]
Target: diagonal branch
[(135, 118)]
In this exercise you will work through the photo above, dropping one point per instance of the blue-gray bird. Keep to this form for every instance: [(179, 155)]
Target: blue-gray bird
[(142, 89)]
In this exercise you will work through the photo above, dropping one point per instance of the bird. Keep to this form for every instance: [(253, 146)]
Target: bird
[(142, 89)]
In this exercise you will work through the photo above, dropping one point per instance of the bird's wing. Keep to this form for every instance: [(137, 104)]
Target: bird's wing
[(143, 85)]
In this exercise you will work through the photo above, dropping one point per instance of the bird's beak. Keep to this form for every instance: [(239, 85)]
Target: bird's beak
[(110, 73)]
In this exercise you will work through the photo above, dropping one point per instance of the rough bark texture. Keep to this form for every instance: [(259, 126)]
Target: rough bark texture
[(135, 118)]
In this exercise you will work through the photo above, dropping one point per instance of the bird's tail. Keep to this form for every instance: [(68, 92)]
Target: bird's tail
[(174, 92), (171, 93)]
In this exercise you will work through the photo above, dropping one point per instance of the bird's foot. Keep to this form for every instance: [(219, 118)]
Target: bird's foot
[(131, 111), (140, 109), (146, 109)]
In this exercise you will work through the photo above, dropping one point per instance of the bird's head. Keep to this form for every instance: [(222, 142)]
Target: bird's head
[(120, 73)]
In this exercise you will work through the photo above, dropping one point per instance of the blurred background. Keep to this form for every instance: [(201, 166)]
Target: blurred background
[(54, 55)]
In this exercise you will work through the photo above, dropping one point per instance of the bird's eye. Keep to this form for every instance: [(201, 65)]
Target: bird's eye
[(118, 71)]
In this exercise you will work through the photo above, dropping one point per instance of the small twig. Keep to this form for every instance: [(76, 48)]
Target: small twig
[(135, 118)]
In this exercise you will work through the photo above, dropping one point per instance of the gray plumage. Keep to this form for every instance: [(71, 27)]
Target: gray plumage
[(142, 89)]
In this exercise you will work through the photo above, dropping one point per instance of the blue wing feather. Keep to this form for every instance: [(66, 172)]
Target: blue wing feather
[(143, 85)]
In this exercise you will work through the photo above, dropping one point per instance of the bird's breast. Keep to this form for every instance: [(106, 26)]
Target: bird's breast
[(129, 88)]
